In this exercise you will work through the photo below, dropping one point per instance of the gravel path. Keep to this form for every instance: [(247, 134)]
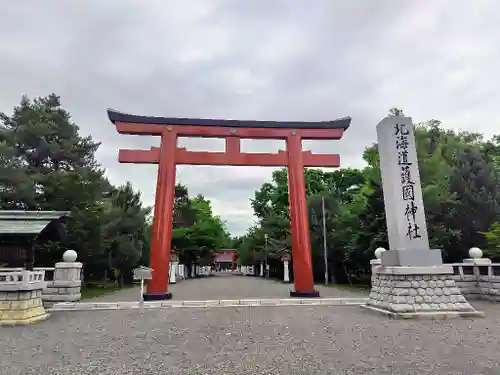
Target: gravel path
[(227, 287), (260, 340)]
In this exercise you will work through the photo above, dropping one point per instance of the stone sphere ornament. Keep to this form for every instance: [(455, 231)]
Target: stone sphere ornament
[(70, 256), (475, 253), (379, 251)]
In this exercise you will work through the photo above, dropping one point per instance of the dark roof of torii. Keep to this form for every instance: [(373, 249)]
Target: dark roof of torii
[(341, 123)]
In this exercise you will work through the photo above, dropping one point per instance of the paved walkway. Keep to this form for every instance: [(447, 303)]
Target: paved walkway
[(292, 340), (261, 340), (226, 287)]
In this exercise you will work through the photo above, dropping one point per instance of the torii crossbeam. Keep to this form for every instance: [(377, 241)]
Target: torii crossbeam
[(168, 155)]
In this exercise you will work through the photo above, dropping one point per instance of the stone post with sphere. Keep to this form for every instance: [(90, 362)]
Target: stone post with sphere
[(67, 283), (377, 261)]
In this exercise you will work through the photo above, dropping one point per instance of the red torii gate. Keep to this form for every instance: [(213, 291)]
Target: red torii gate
[(227, 255), (168, 155)]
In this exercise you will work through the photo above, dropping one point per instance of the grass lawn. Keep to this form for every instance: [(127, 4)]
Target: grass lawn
[(93, 290)]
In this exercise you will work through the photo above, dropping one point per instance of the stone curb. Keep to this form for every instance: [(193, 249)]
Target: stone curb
[(428, 315), (85, 306)]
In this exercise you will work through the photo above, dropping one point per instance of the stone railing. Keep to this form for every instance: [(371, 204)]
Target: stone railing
[(48, 275), (21, 278), (60, 283), (248, 270), (204, 271), (21, 297), (476, 277), (478, 281), (181, 271)]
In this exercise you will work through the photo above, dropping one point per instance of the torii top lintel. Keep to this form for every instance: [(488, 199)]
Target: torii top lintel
[(148, 125)]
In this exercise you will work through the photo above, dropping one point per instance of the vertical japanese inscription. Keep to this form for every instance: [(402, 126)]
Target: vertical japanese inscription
[(407, 184), (404, 206)]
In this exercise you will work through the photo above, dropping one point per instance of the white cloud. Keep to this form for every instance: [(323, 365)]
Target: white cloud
[(264, 59)]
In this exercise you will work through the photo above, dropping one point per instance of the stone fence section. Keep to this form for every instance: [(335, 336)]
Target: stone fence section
[(248, 270), (21, 297), (61, 283), (478, 281), (476, 277), (179, 272)]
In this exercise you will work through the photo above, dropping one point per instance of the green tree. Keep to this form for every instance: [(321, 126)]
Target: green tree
[(58, 167), (45, 164), (492, 249), (198, 233), (460, 184), (125, 230)]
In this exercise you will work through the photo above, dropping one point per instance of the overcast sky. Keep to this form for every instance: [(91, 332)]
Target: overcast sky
[(252, 59)]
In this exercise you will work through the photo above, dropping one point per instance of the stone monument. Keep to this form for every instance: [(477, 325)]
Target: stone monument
[(410, 279)]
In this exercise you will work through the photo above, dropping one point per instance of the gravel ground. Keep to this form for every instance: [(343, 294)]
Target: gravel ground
[(227, 287), (258, 340)]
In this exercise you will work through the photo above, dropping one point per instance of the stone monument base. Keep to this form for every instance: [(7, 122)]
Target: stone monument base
[(22, 307), (412, 258), (417, 292)]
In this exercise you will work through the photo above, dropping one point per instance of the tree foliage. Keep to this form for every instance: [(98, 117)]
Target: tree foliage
[(46, 164), (461, 189), (198, 238)]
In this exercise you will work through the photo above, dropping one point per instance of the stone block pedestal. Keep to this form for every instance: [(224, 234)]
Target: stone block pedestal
[(21, 297), (418, 292), (67, 283)]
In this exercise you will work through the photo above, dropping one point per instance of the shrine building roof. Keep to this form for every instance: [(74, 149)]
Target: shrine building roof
[(27, 222)]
